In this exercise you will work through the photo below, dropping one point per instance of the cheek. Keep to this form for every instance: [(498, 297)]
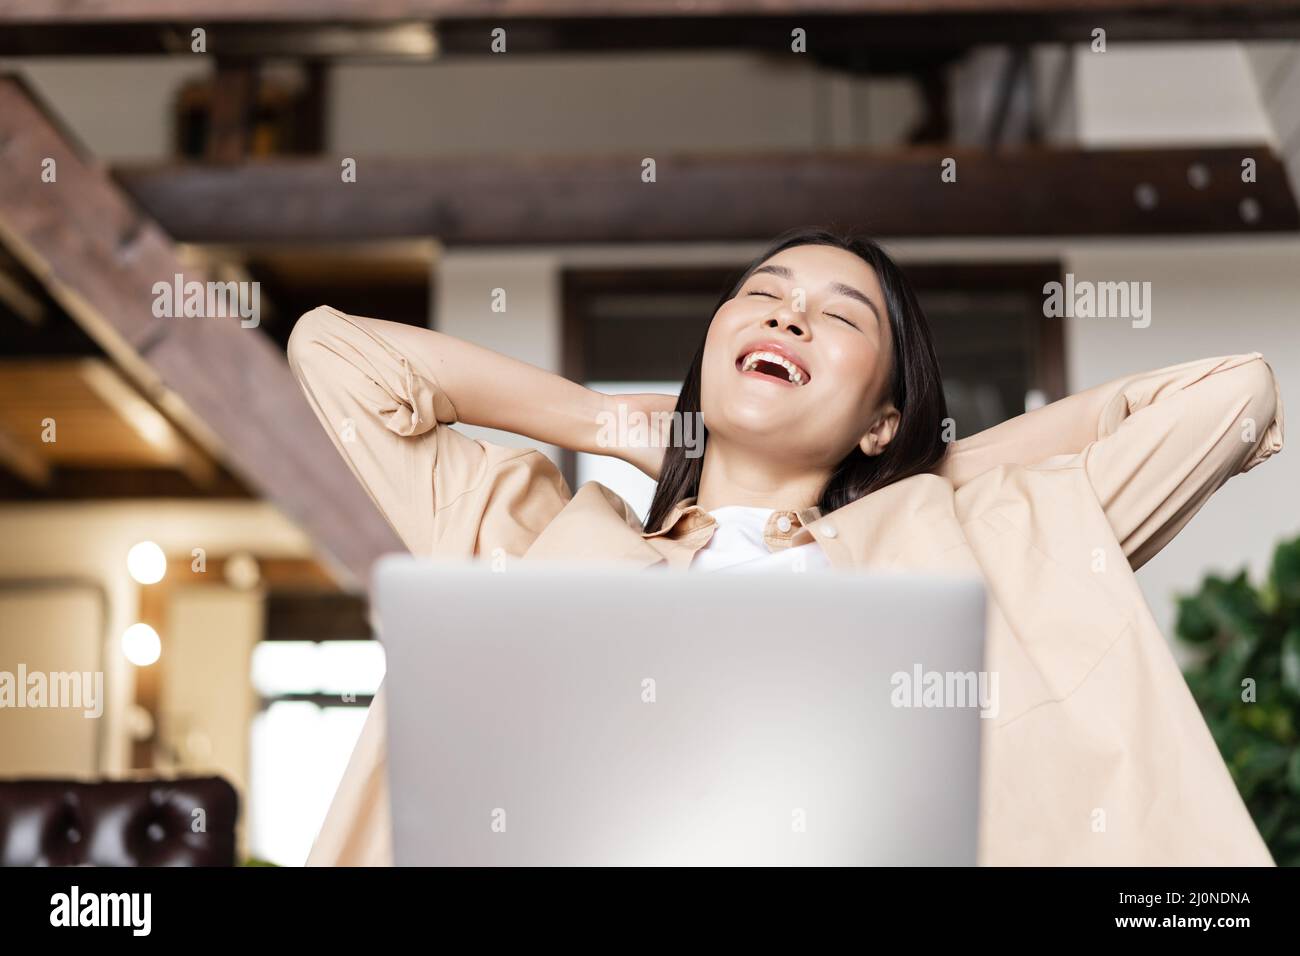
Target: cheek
[(853, 396), (715, 357), (854, 371), (712, 386)]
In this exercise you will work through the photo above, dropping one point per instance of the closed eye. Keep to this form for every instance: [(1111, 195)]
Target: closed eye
[(769, 295)]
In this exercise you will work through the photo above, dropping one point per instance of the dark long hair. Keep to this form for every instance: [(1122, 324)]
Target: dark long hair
[(915, 387)]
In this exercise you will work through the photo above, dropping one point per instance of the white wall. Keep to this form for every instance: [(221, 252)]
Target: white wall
[(1168, 94), (1277, 72), (118, 108), (527, 286), (646, 103)]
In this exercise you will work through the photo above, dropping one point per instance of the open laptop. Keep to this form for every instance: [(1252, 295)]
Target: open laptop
[(570, 715)]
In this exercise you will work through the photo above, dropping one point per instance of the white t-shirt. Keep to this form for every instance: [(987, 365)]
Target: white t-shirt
[(737, 545)]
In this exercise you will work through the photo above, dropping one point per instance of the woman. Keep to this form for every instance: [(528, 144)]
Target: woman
[(825, 446)]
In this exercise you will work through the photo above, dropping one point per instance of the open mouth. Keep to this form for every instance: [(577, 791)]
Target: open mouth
[(774, 366)]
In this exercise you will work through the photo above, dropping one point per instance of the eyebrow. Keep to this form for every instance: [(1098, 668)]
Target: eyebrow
[(784, 272)]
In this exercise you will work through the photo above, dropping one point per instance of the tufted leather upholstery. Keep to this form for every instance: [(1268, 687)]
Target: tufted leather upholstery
[(118, 823)]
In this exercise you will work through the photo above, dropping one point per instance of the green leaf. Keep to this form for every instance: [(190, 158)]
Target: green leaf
[(1284, 575), (1195, 624), (1293, 773), (1242, 631), (1230, 667), (1291, 662)]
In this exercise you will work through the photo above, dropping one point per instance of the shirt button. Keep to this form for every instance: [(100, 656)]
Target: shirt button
[(783, 523), (829, 530)]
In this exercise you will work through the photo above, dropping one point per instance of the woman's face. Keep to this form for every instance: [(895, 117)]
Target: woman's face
[(798, 360)]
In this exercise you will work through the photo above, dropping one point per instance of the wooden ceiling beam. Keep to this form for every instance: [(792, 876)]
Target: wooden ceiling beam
[(20, 302), (216, 11), (503, 199), (148, 423), (22, 462), (229, 387), (88, 483), (857, 33)]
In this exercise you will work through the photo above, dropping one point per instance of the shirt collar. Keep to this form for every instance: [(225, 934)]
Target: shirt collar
[(686, 516)]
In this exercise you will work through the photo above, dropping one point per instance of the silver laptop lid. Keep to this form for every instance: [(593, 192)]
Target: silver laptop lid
[(575, 715)]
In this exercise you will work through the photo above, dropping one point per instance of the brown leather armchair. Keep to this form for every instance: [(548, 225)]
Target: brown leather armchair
[(187, 821)]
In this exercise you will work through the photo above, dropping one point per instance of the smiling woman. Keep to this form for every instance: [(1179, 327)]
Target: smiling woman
[(823, 446), (871, 407)]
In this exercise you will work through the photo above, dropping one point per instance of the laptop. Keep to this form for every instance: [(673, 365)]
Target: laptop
[(570, 715)]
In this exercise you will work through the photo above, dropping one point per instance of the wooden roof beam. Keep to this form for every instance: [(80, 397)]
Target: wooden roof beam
[(148, 423), (856, 33), (228, 386), (273, 11), (22, 462), (707, 197)]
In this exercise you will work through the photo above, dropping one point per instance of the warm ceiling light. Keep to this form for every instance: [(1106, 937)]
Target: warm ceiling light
[(146, 562), (242, 572), (141, 645)]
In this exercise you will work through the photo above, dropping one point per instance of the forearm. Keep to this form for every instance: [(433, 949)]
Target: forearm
[(1063, 427), (1073, 423), (497, 391), (489, 389), (494, 390)]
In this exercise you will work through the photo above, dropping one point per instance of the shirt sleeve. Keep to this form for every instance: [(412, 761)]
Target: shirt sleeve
[(1168, 439), (381, 405)]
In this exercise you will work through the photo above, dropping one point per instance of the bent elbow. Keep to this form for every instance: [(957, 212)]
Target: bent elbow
[(310, 331), (1263, 418)]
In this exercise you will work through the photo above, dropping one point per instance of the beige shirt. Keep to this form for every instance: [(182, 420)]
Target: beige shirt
[(1098, 754)]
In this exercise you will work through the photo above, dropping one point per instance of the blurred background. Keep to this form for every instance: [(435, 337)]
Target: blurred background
[(606, 168)]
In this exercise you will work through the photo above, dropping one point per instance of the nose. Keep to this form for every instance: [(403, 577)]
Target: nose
[(785, 321)]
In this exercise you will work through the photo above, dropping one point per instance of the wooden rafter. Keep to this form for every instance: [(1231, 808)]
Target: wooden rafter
[(874, 34), (97, 11), (147, 422), (723, 196), (22, 462), (230, 388)]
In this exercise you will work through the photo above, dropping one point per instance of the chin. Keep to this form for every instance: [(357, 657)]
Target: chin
[(753, 424)]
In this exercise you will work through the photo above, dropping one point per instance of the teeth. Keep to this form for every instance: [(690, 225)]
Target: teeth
[(753, 358)]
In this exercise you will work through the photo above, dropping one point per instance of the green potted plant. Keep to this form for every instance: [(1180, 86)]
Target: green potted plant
[(1246, 679)]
